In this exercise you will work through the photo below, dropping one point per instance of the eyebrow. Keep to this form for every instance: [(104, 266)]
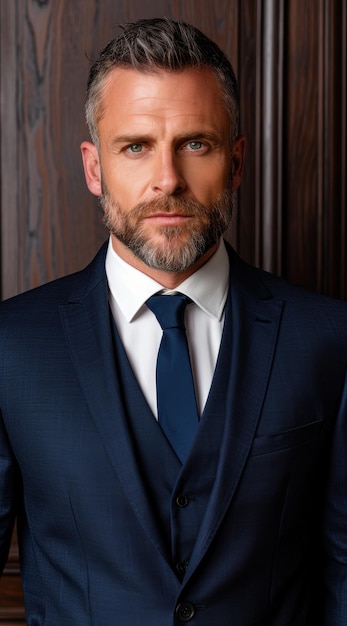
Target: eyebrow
[(131, 138), (138, 138)]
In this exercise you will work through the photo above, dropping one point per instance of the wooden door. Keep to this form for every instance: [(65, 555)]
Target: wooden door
[(290, 58)]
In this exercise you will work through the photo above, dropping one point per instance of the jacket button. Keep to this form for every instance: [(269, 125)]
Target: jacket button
[(185, 611), (182, 501), (182, 567)]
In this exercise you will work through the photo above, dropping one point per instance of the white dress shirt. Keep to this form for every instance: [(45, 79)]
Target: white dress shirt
[(141, 333)]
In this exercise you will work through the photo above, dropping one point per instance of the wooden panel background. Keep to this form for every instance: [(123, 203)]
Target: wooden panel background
[(290, 58)]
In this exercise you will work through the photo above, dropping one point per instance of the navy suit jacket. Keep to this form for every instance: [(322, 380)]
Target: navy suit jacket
[(270, 548)]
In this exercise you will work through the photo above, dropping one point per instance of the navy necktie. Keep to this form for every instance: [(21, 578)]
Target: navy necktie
[(177, 410)]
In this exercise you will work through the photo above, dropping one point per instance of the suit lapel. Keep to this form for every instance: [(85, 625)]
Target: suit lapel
[(248, 347), (86, 321), (247, 351)]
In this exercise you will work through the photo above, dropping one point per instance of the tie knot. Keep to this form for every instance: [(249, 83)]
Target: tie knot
[(169, 310)]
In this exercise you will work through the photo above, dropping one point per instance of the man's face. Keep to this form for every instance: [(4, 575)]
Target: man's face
[(165, 168)]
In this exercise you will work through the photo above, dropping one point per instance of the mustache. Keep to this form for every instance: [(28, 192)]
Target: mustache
[(170, 204)]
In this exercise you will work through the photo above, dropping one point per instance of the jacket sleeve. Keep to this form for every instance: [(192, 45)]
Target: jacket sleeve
[(8, 494), (335, 524)]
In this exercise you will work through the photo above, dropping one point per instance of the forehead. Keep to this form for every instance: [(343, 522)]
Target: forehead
[(129, 93)]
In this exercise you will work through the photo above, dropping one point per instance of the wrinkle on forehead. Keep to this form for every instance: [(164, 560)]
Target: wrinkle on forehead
[(139, 93)]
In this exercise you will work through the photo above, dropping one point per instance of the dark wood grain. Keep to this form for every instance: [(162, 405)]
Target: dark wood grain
[(291, 62), (11, 595), (314, 209)]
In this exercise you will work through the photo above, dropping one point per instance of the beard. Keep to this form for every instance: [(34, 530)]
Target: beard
[(169, 248)]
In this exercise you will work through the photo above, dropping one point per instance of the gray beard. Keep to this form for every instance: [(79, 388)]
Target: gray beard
[(180, 246)]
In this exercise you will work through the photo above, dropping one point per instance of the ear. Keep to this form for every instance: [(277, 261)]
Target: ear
[(92, 169), (237, 161)]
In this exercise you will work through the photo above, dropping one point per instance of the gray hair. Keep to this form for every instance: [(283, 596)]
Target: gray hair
[(158, 44)]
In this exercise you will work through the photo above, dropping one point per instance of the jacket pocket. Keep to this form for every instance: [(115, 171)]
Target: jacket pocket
[(291, 438)]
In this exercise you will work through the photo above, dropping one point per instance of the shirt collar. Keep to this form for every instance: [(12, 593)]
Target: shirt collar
[(207, 287)]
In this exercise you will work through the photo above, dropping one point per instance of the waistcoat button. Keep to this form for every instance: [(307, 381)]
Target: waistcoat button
[(182, 567), (182, 501), (185, 611)]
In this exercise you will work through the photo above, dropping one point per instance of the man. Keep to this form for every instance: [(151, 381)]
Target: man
[(247, 524)]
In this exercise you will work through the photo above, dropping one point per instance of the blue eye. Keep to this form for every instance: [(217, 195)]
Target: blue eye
[(136, 148), (195, 145)]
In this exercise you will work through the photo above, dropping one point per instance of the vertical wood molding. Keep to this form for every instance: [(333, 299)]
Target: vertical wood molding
[(332, 131), (314, 214), (342, 293), (245, 227), (269, 136)]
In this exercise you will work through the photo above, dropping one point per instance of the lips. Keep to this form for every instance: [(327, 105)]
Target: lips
[(168, 218), (168, 214)]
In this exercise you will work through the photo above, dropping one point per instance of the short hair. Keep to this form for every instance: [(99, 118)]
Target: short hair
[(151, 45)]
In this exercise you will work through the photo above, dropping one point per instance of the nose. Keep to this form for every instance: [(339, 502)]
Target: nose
[(167, 178)]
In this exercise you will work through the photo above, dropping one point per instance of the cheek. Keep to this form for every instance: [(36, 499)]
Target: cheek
[(124, 187), (208, 183), (131, 178)]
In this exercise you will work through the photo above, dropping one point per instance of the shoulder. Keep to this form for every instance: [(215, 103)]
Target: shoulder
[(31, 324), (308, 310), (59, 291), (254, 278)]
